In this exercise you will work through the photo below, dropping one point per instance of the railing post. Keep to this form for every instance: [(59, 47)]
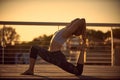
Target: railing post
[(112, 48), (2, 44), (58, 27)]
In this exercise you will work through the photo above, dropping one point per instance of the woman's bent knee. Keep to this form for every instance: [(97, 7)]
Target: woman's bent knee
[(34, 52)]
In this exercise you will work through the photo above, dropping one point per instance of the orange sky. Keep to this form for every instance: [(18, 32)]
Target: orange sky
[(95, 11)]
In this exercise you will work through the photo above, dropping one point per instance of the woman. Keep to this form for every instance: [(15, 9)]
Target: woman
[(54, 55)]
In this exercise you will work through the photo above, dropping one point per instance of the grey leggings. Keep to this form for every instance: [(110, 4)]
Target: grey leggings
[(56, 58)]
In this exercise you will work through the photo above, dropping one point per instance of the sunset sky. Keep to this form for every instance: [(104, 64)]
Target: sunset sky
[(94, 11)]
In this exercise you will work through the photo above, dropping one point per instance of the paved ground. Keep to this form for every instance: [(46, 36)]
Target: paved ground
[(51, 72)]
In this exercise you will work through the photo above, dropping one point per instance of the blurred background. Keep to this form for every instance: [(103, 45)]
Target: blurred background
[(16, 40)]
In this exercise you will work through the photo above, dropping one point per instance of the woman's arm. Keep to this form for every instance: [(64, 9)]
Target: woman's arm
[(84, 37), (83, 46), (72, 27)]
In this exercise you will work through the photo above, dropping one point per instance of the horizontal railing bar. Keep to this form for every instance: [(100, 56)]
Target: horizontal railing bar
[(56, 23)]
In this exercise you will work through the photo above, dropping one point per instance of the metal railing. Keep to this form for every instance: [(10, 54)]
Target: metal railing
[(63, 24), (56, 23)]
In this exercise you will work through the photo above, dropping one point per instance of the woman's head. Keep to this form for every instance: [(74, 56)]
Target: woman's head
[(78, 32), (81, 29)]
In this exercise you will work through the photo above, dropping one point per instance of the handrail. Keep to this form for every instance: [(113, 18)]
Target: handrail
[(56, 23), (62, 24)]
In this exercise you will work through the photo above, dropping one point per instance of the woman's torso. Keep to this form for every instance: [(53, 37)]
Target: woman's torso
[(57, 41)]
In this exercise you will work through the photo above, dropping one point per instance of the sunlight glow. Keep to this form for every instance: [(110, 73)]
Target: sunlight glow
[(94, 11)]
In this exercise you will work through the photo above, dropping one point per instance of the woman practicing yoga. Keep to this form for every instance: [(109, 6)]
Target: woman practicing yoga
[(54, 55)]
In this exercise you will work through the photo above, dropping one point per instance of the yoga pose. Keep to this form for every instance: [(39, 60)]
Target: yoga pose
[(54, 55)]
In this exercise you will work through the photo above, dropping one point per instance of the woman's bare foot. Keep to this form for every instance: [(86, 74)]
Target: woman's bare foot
[(28, 72)]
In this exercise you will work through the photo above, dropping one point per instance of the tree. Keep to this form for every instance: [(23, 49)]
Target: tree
[(107, 34), (92, 34), (43, 40), (8, 36), (116, 33)]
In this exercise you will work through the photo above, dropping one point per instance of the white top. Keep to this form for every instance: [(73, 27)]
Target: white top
[(57, 41)]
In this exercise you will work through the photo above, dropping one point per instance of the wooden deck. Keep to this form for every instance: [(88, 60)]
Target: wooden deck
[(51, 72)]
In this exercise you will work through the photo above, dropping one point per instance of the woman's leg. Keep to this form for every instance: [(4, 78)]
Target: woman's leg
[(33, 56), (43, 53), (59, 59), (30, 70), (56, 58), (67, 66)]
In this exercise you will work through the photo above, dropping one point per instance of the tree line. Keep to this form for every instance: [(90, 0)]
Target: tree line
[(9, 36)]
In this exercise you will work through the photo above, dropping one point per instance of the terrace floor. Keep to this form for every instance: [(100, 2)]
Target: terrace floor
[(52, 72)]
